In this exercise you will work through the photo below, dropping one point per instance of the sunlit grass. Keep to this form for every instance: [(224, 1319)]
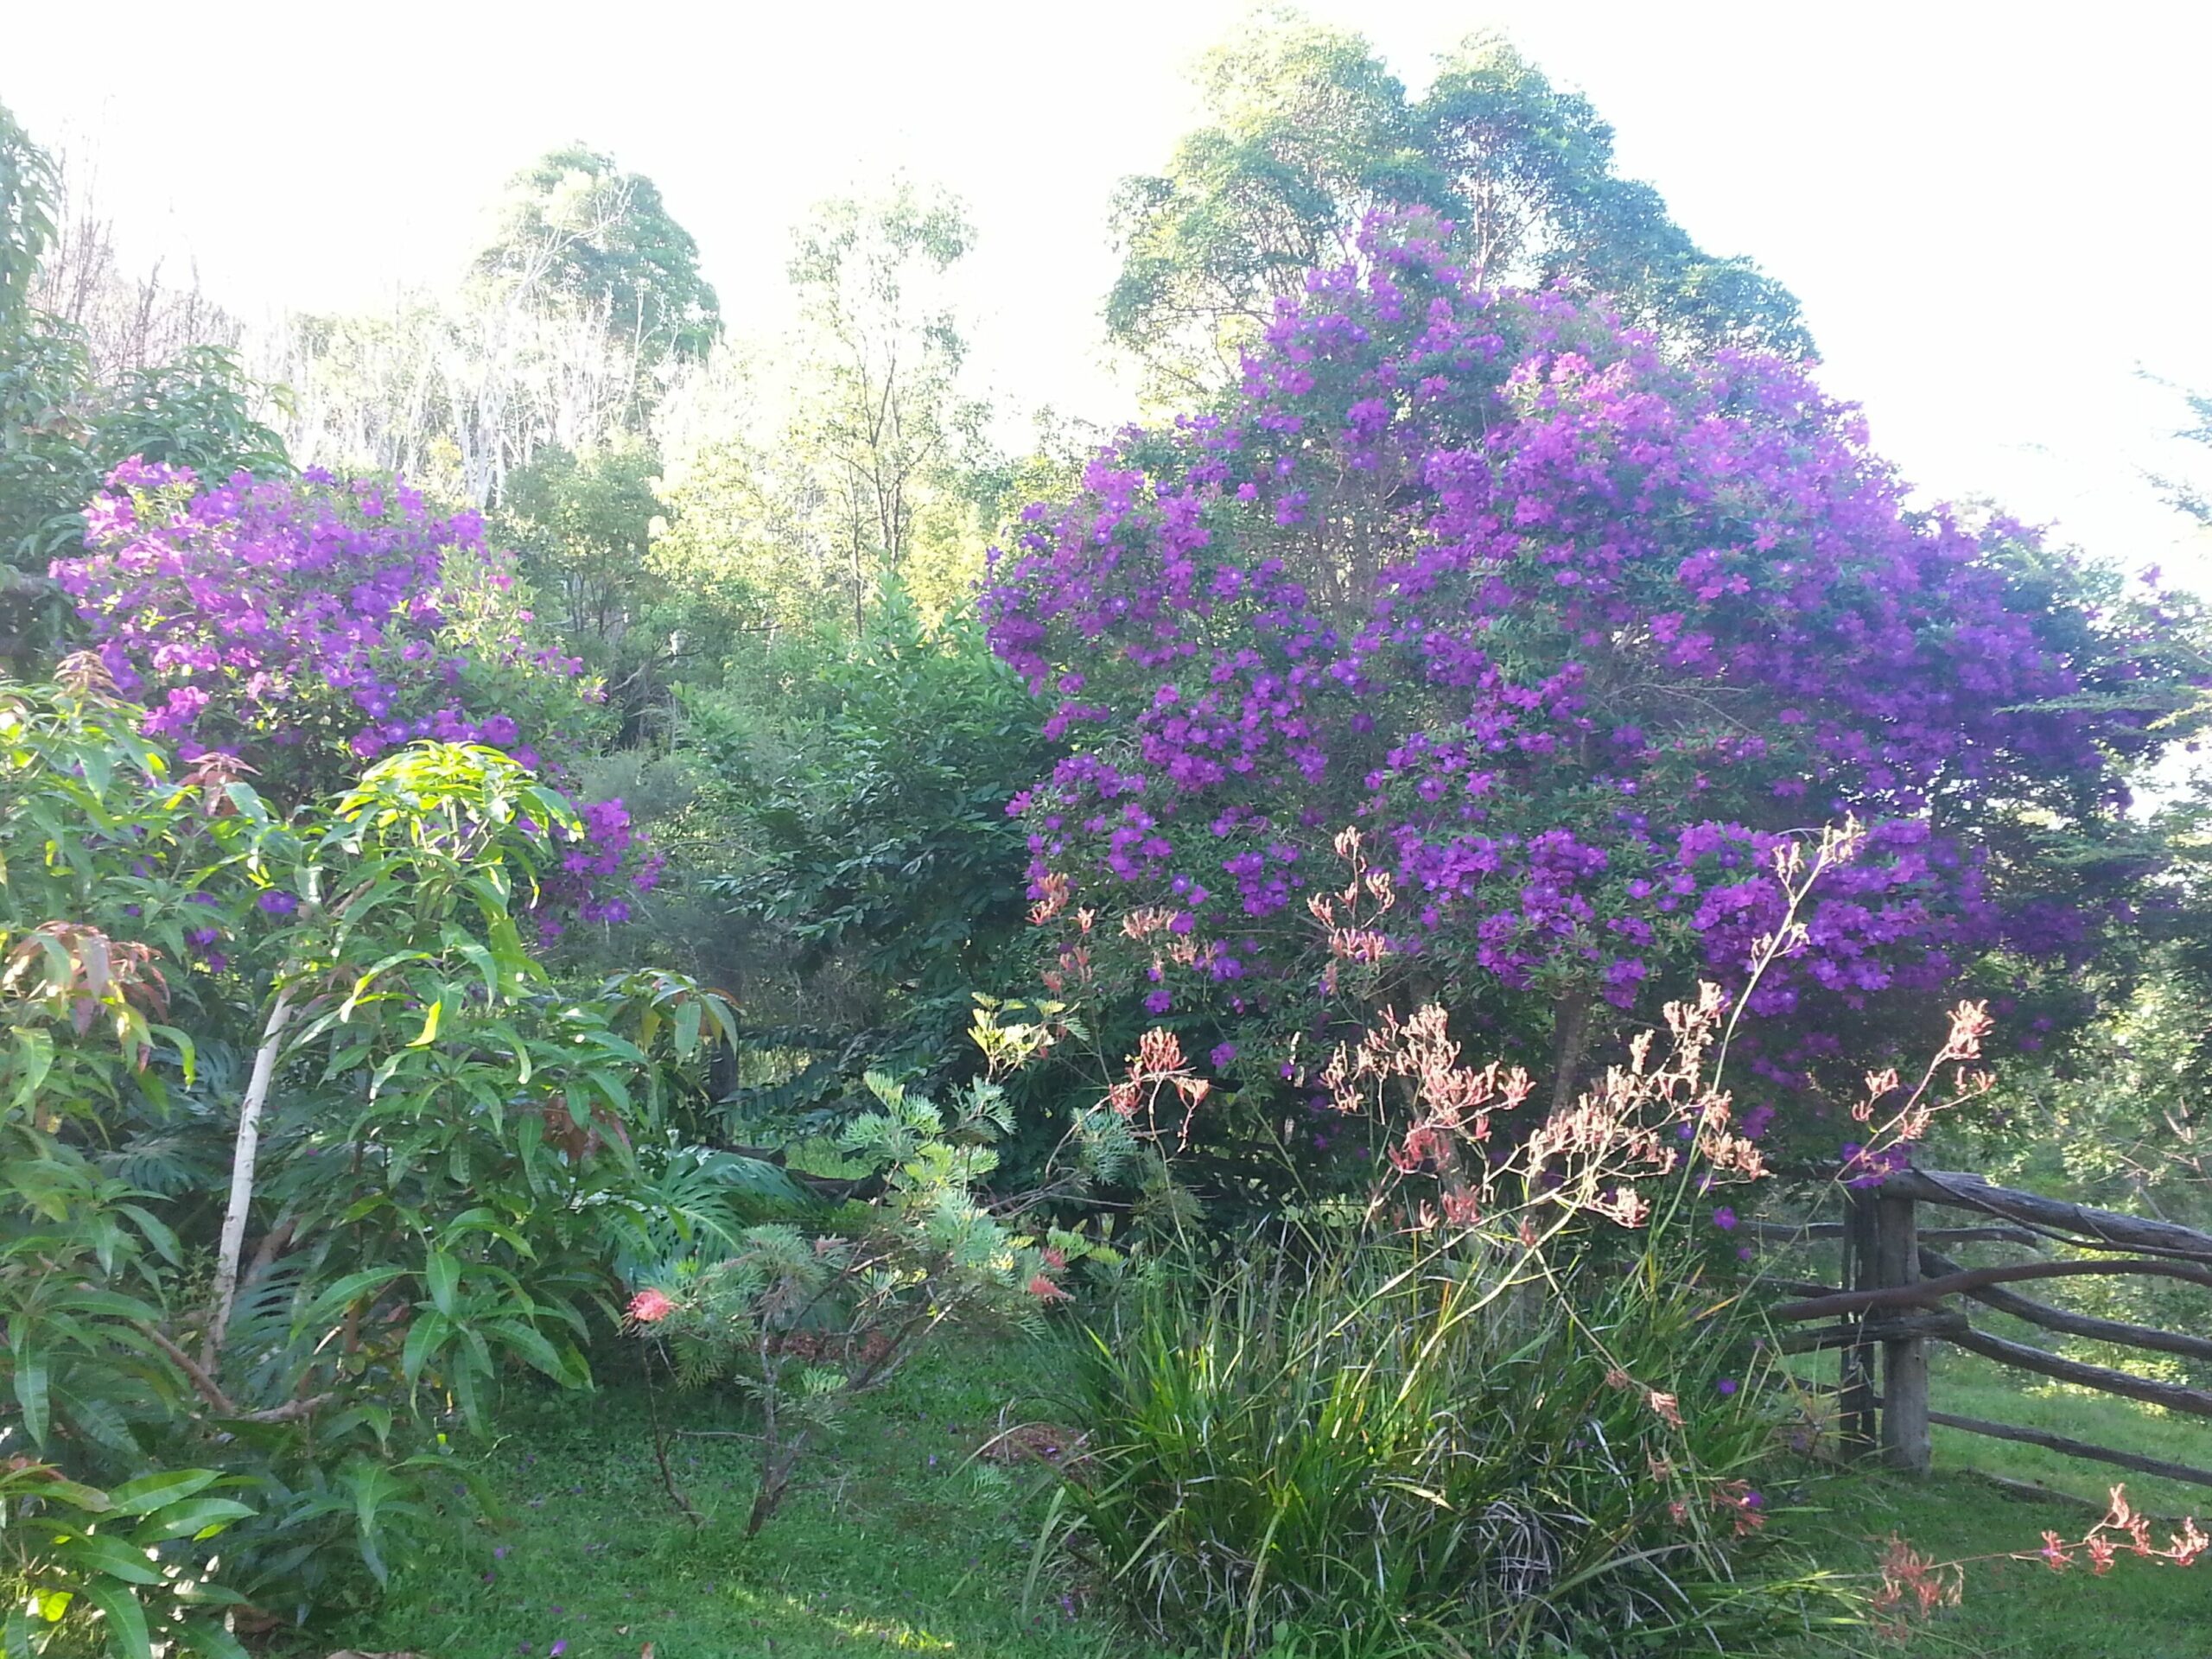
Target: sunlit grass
[(2012, 1609), (898, 1545)]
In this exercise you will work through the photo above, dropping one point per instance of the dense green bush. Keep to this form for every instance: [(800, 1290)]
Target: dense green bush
[(842, 858), (305, 1153)]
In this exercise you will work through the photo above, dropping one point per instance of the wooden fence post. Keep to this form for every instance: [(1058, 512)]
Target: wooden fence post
[(1855, 1362), (1905, 1363)]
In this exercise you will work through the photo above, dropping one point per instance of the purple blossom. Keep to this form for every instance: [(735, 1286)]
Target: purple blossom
[(1582, 546), (304, 626)]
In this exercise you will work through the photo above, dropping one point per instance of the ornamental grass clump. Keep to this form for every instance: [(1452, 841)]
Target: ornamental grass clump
[(1409, 1445), (1505, 1400)]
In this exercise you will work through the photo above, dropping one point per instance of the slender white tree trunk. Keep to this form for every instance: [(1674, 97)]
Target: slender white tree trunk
[(242, 1162)]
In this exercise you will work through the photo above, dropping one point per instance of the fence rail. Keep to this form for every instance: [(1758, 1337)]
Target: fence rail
[(1898, 1295)]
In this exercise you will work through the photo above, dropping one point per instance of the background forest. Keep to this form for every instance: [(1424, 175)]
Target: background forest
[(552, 842)]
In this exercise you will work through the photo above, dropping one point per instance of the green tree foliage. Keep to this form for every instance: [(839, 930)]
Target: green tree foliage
[(575, 319), (574, 226), (582, 525), (61, 427), (1309, 131), (851, 822), (739, 526), (434, 1158), (881, 421), (752, 524), (62, 431), (28, 190)]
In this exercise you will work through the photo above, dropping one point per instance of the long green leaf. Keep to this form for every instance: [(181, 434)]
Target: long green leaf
[(196, 1518), (126, 1619), (345, 1292), (103, 1556), (149, 1492), (424, 1339), (205, 1637), (31, 1392), (443, 1273)]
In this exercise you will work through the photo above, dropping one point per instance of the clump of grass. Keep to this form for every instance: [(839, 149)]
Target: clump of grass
[(1358, 1455)]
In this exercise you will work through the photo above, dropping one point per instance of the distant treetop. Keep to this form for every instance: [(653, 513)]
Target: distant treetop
[(574, 225), (1310, 132)]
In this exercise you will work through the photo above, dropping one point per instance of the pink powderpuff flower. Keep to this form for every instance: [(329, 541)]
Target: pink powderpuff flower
[(650, 1307)]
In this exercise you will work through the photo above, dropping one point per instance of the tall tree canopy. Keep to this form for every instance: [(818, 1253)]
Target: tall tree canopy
[(882, 418), (574, 226), (27, 205), (1309, 131), (64, 423)]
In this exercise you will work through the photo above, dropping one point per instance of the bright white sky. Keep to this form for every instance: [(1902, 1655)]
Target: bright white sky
[(1994, 216)]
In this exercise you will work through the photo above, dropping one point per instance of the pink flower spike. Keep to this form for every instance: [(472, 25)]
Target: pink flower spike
[(650, 1307)]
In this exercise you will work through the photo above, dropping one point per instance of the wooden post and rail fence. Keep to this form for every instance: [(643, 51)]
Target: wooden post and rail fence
[(1900, 1294)]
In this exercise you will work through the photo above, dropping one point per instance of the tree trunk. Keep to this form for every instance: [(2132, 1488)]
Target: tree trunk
[(1570, 1041), (242, 1162)]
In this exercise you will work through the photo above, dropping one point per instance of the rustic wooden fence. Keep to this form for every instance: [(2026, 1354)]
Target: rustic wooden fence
[(1900, 1294)]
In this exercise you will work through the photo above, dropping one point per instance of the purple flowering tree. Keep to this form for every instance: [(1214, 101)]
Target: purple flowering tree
[(307, 628), (1574, 636)]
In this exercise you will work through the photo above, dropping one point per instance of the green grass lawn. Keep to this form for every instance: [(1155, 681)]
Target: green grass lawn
[(1974, 1387), (2015, 1608), (2012, 1609), (899, 1542)]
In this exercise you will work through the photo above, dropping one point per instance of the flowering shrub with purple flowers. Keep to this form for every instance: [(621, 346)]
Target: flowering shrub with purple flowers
[(1577, 635), (307, 628)]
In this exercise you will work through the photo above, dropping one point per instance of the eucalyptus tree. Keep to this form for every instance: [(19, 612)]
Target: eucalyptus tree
[(1308, 132)]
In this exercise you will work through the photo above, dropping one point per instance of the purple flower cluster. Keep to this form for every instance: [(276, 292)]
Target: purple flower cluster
[(308, 626), (1577, 635)]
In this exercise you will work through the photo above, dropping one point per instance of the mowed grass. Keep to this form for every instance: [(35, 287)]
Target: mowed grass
[(2014, 1608), (1967, 1385), (1970, 1386), (900, 1542)]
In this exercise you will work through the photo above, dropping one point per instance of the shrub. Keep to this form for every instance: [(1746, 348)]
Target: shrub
[(308, 627), (804, 1314), (304, 1152), (1461, 1410), (1576, 634)]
